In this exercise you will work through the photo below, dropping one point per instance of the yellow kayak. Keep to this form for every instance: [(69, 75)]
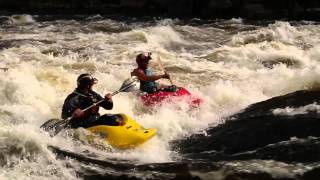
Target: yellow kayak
[(129, 135)]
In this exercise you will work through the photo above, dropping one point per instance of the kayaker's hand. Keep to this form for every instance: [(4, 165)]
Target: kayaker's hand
[(108, 97), (78, 113), (173, 88), (166, 75)]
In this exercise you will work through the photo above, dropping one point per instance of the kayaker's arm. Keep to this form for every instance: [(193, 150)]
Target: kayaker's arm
[(78, 113), (69, 106), (143, 77), (108, 103)]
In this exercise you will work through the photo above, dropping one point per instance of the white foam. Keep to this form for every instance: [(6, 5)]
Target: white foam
[(25, 155), (289, 111), (230, 78), (21, 19), (279, 31)]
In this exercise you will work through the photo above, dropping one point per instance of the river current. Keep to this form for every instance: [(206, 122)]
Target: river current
[(229, 63)]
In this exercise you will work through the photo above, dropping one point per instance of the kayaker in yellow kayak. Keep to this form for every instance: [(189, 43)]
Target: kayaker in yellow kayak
[(147, 78), (82, 97)]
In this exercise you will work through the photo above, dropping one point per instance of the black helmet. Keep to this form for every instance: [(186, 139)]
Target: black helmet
[(86, 79), (143, 57)]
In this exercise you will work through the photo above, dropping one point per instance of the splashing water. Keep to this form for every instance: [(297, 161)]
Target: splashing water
[(229, 67)]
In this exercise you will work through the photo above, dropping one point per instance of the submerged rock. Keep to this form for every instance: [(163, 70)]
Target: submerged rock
[(257, 127)]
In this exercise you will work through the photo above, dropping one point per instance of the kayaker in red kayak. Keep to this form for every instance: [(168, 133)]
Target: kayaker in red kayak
[(147, 79)]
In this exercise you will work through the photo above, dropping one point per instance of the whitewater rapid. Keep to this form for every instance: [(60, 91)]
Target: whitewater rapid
[(229, 63)]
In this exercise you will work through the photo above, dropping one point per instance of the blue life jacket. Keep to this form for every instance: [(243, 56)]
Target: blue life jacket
[(150, 86)]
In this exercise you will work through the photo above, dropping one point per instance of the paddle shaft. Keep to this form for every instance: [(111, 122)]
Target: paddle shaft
[(114, 93), (163, 69), (64, 122)]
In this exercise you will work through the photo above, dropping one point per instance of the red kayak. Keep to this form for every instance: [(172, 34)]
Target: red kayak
[(160, 97)]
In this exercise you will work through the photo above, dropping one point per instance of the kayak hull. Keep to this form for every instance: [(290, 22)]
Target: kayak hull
[(158, 98), (129, 135)]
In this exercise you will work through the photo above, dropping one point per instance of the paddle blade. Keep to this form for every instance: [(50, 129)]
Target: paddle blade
[(131, 88), (53, 126), (129, 85), (49, 124)]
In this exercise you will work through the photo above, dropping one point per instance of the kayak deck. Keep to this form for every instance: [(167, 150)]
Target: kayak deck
[(158, 98), (129, 135)]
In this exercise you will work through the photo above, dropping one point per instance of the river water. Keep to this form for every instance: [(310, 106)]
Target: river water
[(228, 63)]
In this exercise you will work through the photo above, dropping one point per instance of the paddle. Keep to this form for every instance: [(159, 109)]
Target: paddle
[(54, 126), (162, 68)]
